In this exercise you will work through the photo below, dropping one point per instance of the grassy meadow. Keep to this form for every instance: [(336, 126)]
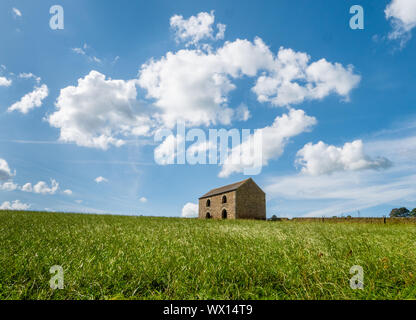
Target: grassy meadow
[(118, 257)]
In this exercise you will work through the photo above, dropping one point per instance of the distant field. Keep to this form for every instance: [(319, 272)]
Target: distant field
[(114, 257)]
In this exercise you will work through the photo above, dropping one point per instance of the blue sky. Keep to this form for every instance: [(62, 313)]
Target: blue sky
[(337, 106)]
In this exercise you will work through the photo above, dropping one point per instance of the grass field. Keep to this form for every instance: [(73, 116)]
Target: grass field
[(116, 257)]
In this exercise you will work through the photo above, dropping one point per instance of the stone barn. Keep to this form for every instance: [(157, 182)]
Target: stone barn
[(241, 200)]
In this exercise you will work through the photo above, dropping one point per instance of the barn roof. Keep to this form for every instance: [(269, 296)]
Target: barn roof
[(224, 189)]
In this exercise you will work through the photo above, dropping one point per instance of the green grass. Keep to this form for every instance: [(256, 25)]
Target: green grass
[(115, 257)]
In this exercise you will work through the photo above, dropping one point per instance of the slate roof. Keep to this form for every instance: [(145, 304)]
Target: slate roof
[(224, 189)]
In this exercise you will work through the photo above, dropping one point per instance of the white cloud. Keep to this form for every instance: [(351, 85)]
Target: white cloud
[(30, 100), (242, 113), (27, 187), (8, 186), (293, 80), (190, 210), (273, 140), (100, 179), (349, 191), (15, 205), (5, 172), (79, 51), (196, 28), (94, 58), (221, 31), (193, 85), (341, 192), (98, 112), (16, 12), (83, 51), (143, 200), (320, 158), (402, 15), (30, 75), (42, 187), (4, 82)]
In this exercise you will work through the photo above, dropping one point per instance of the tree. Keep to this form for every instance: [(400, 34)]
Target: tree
[(399, 213), (413, 213)]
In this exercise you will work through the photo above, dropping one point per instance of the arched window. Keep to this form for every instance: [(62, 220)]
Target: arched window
[(224, 199), (208, 203), (224, 214), (208, 216)]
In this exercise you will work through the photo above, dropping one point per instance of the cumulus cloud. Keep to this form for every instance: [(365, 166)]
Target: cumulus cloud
[(68, 192), (100, 179), (342, 192), (15, 205), (5, 172), (27, 187), (348, 191), (292, 79), (402, 15), (194, 85), (190, 210), (83, 51), (8, 186), (242, 113), (98, 112), (320, 158), (79, 51), (42, 187), (4, 82), (143, 200), (273, 140), (29, 75), (221, 31), (196, 28), (30, 100), (16, 12)]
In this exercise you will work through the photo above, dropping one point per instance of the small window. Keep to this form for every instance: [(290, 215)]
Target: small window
[(208, 203), (224, 199), (224, 214), (208, 216)]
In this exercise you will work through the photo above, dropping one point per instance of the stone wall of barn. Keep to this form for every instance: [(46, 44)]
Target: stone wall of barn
[(251, 202), (216, 207)]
